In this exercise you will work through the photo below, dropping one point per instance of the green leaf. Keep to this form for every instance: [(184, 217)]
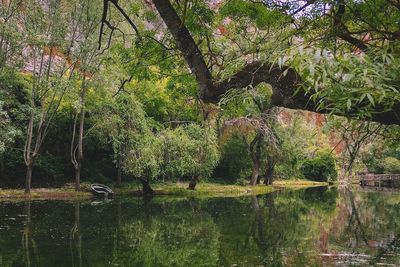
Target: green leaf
[(371, 99), (362, 97), (348, 104)]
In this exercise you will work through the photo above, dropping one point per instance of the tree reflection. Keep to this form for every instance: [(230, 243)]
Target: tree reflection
[(312, 227), (28, 243), (168, 241), (280, 228), (76, 238), (372, 226)]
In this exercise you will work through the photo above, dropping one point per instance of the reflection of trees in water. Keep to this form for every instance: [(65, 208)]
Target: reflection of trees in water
[(369, 223), (28, 243), (76, 238), (354, 223), (280, 228), (171, 240)]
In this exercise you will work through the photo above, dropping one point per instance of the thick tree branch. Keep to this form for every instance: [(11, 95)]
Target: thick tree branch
[(103, 19), (187, 46), (282, 80)]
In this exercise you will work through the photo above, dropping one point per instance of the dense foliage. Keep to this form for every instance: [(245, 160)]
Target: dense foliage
[(321, 168), (109, 96)]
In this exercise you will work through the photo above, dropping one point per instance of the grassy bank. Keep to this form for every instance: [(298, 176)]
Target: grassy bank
[(44, 194), (297, 183), (204, 189)]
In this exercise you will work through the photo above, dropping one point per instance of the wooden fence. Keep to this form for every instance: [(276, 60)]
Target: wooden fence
[(377, 179)]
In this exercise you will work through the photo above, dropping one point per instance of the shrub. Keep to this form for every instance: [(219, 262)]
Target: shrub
[(391, 165), (235, 163), (320, 168)]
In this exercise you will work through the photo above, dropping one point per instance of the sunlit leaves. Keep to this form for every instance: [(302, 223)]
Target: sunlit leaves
[(357, 85), (257, 12)]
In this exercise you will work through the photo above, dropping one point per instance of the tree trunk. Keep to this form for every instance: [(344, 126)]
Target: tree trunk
[(80, 140), (77, 159), (27, 152), (147, 190), (28, 178), (269, 171), (78, 176), (259, 179), (269, 176), (255, 153), (255, 172), (193, 182)]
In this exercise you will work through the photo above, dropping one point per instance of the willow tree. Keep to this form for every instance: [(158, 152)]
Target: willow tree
[(136, 149)]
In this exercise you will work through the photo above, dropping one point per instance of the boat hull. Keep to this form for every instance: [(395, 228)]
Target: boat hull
[(100, 190)]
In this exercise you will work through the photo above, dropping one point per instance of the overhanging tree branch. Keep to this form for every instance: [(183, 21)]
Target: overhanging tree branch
[(284, 80), (187, 46)]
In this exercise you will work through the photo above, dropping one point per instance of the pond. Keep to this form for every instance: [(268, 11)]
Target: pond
[(309, 227)]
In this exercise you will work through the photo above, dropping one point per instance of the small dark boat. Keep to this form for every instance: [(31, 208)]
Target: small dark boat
[(101, 190)]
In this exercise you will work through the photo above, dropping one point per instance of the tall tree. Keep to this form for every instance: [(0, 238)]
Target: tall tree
[(48, 87), (86, 53), (55, 49)]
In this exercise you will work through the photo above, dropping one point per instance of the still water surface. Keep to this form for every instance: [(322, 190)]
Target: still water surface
[(310, 227)]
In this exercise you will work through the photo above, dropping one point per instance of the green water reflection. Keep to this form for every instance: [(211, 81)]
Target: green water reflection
[(311, 227)]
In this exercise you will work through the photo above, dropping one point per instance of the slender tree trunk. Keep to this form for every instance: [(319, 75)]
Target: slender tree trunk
[(80, 140), (193, 182), (78, 176), (78, 164), (27, 151), (78, 149), (30, 150), (346, 170), (28, 179)]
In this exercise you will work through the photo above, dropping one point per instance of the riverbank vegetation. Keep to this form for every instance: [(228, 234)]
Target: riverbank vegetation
[(203, 190), (182, 91)]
